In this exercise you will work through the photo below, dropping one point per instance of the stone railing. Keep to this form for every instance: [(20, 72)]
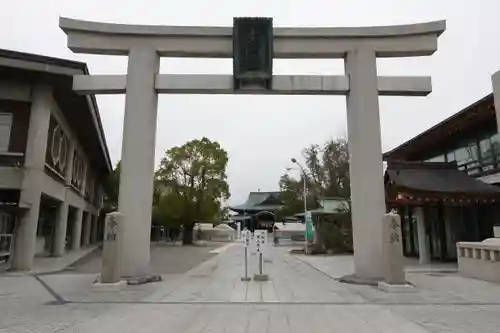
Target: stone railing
[(480, 260)]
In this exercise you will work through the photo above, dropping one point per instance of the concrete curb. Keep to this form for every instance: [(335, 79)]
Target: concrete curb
[(83, 258), (53, 271)]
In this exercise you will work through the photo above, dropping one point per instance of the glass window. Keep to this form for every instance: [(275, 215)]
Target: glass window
[(439, 158), (473, 150), (487, 157), (450, 157), (64, 153), (495, 143), (4, 223), (467, 158), (461, 155), (473, 168), (485, 147), (78, 170), (55, 150), (5, 126), (467, 153)]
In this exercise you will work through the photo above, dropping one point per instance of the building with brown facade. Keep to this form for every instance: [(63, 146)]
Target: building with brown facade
[(444, 183)]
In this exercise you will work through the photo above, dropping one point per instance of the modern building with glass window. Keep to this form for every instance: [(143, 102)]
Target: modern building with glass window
[(444, 183), (53, 159)]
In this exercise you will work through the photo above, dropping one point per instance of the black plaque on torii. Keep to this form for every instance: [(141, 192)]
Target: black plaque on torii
[(252, 52)]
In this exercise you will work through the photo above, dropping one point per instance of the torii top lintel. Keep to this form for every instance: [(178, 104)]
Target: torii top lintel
[(216, 42)]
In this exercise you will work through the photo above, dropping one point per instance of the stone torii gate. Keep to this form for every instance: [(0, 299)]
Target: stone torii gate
[(144, 45)]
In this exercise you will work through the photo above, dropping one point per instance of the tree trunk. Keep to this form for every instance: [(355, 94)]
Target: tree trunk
[(187, 236)]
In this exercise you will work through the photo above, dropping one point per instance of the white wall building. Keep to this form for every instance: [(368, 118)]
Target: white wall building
[(53, 159)]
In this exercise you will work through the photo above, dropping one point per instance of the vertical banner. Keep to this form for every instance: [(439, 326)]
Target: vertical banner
[(260, 246), (253, 249), (309, 226), (246, 235), (260, 241)]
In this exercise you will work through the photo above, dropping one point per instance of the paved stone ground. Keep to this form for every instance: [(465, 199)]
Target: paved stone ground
[(302, 296), (47, 264), (166, 258)]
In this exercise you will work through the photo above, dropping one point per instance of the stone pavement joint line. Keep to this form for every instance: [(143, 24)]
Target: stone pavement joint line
[(58, 299), (299, 297), (277, 303)]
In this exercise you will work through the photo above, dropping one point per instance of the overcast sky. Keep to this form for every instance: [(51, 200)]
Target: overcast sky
[(261, 133)]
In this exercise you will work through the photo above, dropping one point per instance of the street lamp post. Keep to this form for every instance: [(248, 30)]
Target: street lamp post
[(304, 176)]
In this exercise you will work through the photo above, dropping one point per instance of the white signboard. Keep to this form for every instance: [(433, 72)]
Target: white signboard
[(260, 240), (252, 243), (246, 237), (264, 240)]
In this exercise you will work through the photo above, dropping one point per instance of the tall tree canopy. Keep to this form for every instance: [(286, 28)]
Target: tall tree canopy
[(327, 169), (111, 189), (192, 183)]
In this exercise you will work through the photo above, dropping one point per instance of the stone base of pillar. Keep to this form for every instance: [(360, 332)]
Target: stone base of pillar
[(143, 280), (424, 261), (308, 249), (396, 288), (353, 279), (24, 248), (260, 277), (116, 286)]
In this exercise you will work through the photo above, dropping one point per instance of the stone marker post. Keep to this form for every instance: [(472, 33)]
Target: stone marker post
[(392, 249), (392, 254), (260, 246), (246, 241), (238, 230), (113, 232)]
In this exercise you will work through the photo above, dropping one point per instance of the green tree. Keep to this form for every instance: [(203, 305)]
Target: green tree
[(336, 179), (167, 211), (193, 178), (224, 213), (327, 169), (292, 196), (111, 189)]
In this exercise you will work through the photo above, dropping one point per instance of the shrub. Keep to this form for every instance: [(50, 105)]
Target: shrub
[(336, 236)]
